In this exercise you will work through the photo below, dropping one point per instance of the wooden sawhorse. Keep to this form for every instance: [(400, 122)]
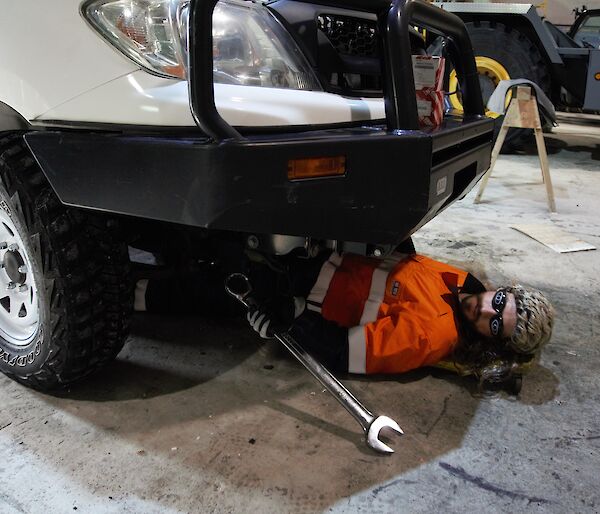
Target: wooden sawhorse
[(522, 112)]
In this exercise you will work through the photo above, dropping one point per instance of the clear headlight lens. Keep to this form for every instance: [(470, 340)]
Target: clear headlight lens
[(249, 46), (151, 32)]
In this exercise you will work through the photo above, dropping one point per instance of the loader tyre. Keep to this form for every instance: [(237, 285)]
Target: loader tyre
[(500, 48), (65, 294)]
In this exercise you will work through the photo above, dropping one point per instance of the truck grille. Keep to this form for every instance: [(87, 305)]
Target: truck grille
[(350, 36), (353, 39), (343, 45)]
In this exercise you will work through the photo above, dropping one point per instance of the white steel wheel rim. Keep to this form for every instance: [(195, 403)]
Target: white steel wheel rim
[(19, 306)]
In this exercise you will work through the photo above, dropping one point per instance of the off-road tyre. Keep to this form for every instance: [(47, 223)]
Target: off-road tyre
[(81, 270), (518, 54)]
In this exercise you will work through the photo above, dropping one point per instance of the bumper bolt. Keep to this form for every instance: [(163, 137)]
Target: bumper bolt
[(377, 252), (252, 242)]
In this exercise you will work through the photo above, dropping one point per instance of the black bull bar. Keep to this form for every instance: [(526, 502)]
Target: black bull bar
[(398, 176)]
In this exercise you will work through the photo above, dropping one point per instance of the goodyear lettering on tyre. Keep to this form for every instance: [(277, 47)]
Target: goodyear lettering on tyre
[(22, 360)]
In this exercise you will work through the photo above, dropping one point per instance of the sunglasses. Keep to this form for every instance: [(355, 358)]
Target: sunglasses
[(498, 304)]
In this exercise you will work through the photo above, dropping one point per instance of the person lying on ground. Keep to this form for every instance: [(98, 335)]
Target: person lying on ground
[(367, 315)]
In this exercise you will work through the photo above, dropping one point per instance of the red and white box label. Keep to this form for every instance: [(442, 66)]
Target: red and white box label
[(430, 106), (428, 71)]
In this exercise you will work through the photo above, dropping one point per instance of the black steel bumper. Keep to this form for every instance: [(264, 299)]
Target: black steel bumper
[(395, 181)]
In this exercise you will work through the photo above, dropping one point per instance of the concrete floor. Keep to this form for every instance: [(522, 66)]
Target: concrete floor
[(197, 416)]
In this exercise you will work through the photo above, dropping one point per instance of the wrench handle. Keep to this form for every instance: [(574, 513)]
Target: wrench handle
[(332, 384), (238, 286)]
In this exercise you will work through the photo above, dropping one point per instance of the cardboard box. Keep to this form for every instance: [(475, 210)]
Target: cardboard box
[(428, 71)]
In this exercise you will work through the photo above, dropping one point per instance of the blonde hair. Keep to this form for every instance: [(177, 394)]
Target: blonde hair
[(535, 319)]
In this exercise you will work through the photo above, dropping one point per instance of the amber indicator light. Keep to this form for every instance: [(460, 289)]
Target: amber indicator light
[(316, 167), (597, 76)]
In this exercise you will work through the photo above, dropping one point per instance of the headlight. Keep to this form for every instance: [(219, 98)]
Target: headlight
[(249, 45), (151, 32)]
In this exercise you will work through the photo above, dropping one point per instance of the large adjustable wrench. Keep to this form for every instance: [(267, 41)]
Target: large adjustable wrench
[(238, 286)]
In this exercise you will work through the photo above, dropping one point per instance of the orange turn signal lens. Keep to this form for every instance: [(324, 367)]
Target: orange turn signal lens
[(316, 167)]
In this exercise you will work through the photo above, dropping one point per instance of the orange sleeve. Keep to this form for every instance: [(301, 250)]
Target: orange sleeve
[(348, 290), (401, 341)]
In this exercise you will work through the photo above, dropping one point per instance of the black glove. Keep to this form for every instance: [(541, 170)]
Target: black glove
[(323, 339), (275, 316)]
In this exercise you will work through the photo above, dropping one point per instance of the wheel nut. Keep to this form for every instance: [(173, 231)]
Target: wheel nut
[(13, 247), (11, 285), (23, 288), (23, 269), (3, 245)]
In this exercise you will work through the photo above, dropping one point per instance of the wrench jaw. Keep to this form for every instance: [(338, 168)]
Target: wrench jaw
[(379, 423)]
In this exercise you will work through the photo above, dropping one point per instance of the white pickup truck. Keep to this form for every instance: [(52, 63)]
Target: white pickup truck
[(206, 127)]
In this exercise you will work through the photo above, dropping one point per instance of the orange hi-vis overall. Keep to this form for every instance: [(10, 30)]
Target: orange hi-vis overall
[(398, 311)]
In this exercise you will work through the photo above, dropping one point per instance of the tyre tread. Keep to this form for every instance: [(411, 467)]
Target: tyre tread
[(513, 42), (86, 271)]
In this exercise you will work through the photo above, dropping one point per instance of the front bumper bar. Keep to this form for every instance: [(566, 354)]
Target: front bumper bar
[(395, 181)]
